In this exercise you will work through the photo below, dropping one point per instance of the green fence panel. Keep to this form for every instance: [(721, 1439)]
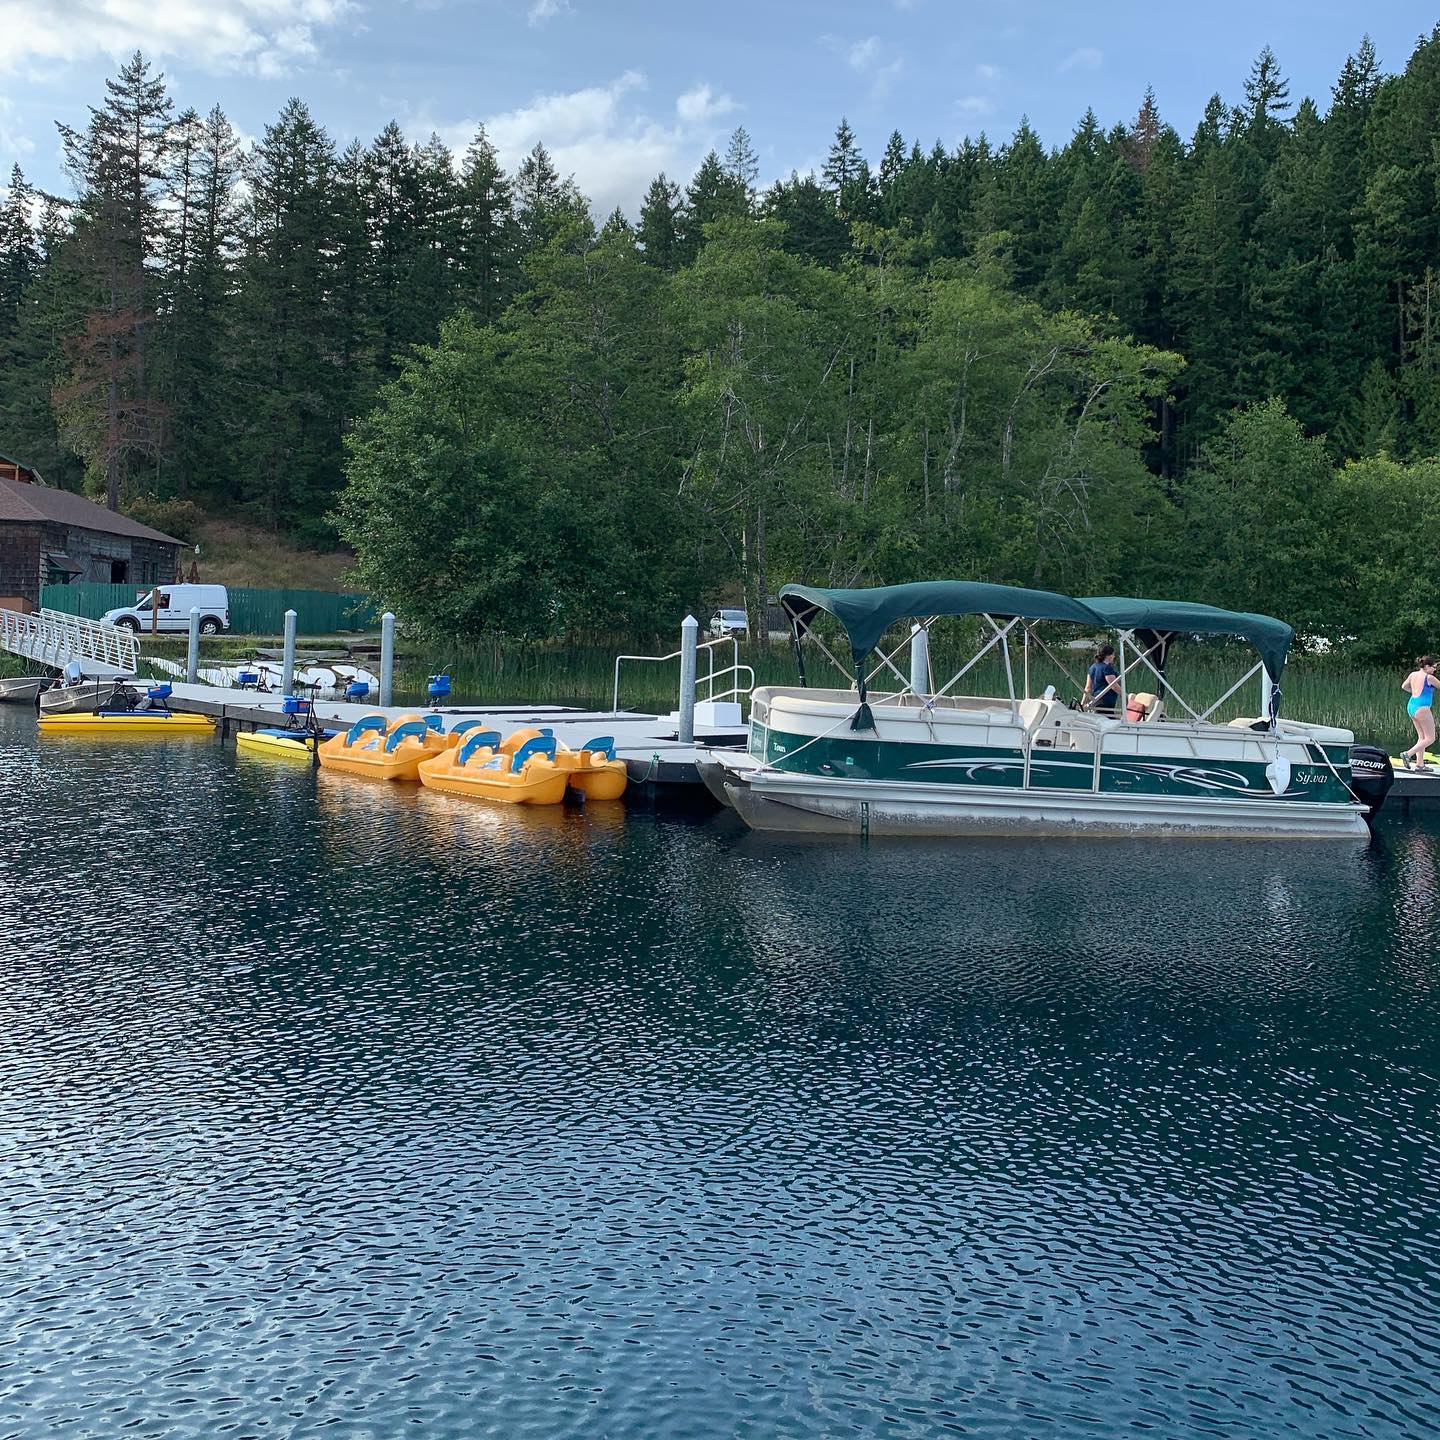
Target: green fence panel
[(252, 612)]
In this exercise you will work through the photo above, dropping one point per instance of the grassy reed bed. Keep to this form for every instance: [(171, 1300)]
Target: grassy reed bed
[(1325, 689)]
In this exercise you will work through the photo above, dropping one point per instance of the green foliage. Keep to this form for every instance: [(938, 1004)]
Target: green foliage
[(1091, 366)]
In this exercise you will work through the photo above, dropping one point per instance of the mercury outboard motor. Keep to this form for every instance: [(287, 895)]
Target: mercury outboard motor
[(1371, 776)]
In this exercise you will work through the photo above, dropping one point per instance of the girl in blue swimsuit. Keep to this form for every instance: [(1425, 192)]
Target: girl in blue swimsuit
[(1419, 685)]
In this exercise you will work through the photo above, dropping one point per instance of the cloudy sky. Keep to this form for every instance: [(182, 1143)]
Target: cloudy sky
[(620, 89)]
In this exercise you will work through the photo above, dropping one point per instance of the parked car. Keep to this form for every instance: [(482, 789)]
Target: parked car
[(175, 602), (730, 622)]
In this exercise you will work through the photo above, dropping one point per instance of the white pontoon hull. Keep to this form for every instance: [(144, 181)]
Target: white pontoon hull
[(768, 799)]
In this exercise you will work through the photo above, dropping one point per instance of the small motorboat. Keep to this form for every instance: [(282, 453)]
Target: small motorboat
[(23, 689), (86, 696), (480, 769), (593, 771), (377, 749)]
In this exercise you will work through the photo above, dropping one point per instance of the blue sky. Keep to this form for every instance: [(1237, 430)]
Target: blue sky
[(619, 89)]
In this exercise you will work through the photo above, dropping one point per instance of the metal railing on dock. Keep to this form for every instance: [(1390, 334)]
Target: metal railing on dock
[(709, 678), (55, 639)]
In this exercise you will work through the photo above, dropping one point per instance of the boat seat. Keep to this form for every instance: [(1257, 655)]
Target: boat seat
[(477, 740), (601, 745), (540, 745), (364, 724), (416, 728)]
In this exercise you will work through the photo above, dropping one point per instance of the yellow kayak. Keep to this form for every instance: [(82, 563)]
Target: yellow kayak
[(126, 722), (277, 743), (376, 749)]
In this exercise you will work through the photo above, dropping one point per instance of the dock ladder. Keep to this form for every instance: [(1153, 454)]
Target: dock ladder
[(54, 638)]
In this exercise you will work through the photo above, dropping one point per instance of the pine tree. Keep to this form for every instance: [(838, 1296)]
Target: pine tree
[(892, 162), (537, 197), (294, 393), (843, 163), (1267, 99), (118, 165), (1143, 136), (742, 164), (19, 253), (812, 227), (201, 248), (489, 241), (714, 194), (660, 223)]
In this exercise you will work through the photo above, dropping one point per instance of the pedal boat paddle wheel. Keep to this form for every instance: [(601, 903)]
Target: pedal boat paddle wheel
[(897, 754)]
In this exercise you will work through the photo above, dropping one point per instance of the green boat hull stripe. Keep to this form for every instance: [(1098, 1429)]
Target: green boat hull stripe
[(852, 757)]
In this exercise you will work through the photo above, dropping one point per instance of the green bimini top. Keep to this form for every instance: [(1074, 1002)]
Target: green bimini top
[(1270, 637), (867, 614)]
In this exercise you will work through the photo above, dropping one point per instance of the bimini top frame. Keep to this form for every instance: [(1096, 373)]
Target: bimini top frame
[(865, 615)]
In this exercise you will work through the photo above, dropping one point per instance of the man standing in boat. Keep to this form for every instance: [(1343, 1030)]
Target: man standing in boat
[(1102, 683)]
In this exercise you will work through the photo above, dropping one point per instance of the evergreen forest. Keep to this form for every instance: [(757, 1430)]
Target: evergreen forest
[(1202, 365)]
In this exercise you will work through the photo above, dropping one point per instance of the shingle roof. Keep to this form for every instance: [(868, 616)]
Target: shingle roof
[(38, 504)]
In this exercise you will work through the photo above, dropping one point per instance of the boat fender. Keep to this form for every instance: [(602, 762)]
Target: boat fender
[(1277, 772), (363, 725)]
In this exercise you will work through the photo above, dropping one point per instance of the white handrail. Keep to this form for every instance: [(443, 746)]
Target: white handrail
[(55, 638), (708, 679)]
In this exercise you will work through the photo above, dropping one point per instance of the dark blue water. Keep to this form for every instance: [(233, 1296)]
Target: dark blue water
[(357, 1110)]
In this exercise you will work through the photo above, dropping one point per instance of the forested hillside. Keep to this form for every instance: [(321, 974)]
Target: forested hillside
[(1198, 364)]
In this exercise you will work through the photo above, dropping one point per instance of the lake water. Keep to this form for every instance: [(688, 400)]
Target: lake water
[(336, 1108)]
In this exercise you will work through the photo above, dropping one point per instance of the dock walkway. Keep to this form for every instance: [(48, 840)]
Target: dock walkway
[(657, 760)]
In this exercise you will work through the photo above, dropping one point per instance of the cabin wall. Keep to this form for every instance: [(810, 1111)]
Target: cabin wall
[(20, 547)]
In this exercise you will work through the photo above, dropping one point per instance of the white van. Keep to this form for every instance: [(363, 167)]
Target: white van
[(175, 601)]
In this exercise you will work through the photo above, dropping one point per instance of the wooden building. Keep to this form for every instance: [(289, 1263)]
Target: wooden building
[(50, 537)]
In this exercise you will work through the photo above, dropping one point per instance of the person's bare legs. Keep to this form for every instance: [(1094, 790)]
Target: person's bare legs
[(1425, 723), (1417, 751)]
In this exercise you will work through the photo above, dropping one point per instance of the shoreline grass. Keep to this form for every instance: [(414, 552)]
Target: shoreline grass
[(1324, 689)]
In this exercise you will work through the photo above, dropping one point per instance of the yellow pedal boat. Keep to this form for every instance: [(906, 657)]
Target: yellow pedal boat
[(477, 767), (593, 771), (378, 750), (130, 723)]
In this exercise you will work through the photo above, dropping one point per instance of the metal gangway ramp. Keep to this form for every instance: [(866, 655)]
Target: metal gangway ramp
[(54, 638)]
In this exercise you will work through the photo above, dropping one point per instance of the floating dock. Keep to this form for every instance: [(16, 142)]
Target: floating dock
[(659, 764)]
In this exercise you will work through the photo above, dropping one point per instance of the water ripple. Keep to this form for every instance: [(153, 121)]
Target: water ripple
[(335, 1106)]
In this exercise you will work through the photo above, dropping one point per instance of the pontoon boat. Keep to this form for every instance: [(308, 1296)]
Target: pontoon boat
[(918, 758)]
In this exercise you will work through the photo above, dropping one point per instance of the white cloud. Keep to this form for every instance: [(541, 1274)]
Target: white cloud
[(975, 106), (263, 36), (989, 74), (600, 135), (701, 105), (885, 77), (867, 56), (543, 10), (863, 53), (12, 141), (1087, 57)]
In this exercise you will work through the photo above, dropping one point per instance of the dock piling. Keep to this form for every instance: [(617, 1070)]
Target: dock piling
[(192, 649), (387, 656), (288, 664), (689, 633)]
